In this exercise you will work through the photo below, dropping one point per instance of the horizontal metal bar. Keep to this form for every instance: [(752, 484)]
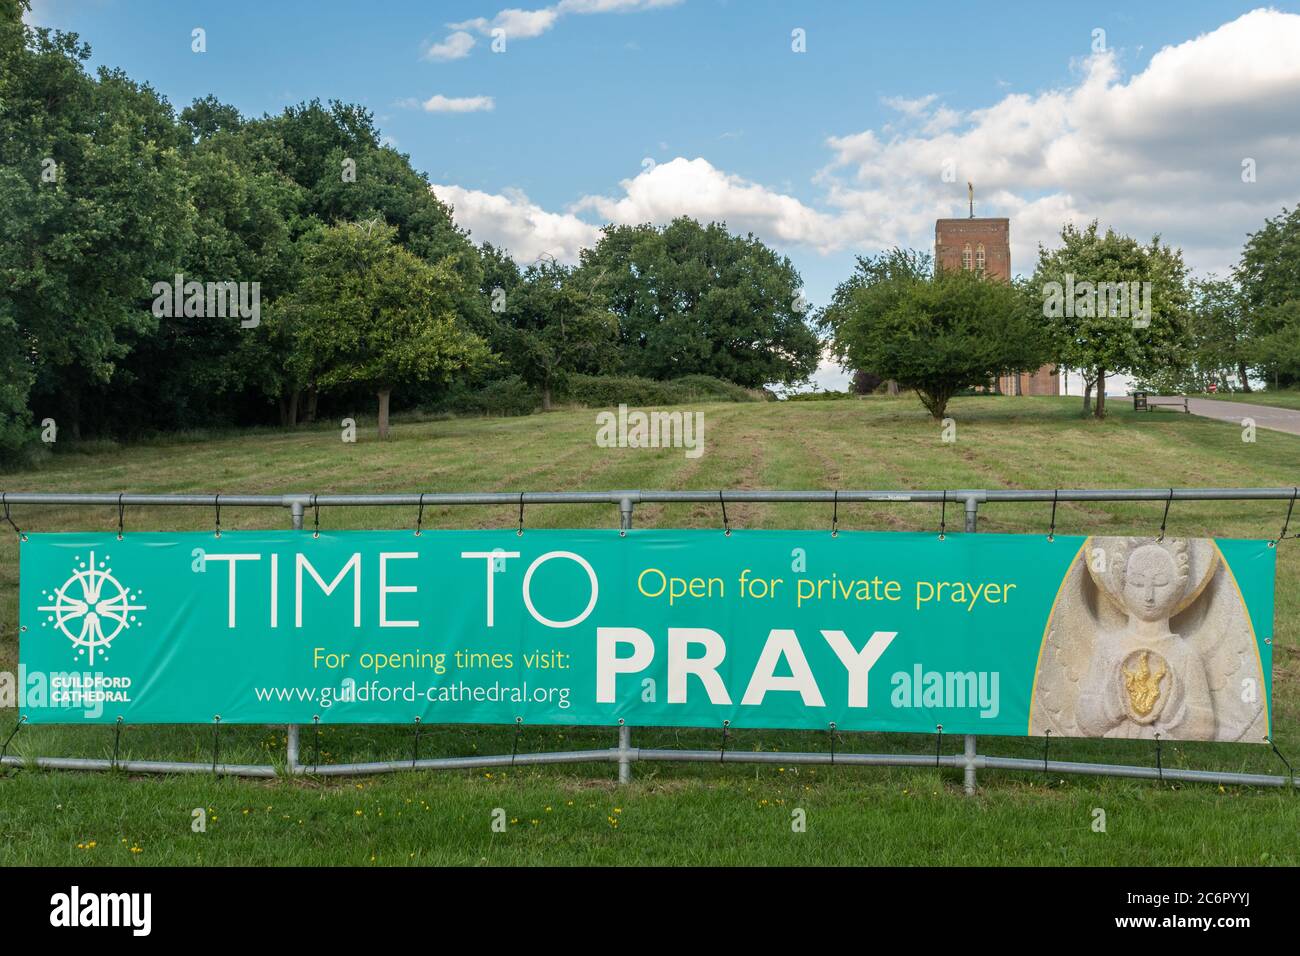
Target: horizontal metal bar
[(141, 766), (634, 497), (768, 757), (458, 763), (1144, 773), (613, 755), (136, 500)]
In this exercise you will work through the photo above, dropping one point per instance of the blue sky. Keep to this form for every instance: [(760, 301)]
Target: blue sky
[(701, 107)]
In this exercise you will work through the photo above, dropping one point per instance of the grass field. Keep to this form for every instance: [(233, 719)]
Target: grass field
[(671, 813)]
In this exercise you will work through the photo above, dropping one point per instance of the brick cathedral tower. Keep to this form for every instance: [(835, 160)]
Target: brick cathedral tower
[(984, 245)]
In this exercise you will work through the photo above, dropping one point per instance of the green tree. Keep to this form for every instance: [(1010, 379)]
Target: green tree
[(92, 212), (1098, 332), (368, 312), (552, 326), (697, 299), (337, 155), (203, 370), (500, 276), (936, 331), (1222, 343), (1269, 276)]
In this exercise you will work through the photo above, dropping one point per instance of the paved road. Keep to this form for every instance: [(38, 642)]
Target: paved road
[(1265, 416)]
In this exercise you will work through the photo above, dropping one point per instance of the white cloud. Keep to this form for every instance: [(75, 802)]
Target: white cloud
[(455, 47), (694, 187), (454, 104), (912, 107), (1159, 151), (612, 6), (519, 24), (515, 223), (682, 187)]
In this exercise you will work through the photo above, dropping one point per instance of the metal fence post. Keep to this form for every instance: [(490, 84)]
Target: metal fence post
[(968, 777), (291, 736), (624, 731), (624, 754)]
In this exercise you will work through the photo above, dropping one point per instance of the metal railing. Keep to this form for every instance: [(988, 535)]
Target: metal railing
[(624, 754)]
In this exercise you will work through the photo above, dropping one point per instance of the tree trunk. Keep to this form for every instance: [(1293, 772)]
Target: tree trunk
[(546, 398), (935, 401), (891, 387), (1241, 374), (1100, 411), (289, 409), (383, 413), (74, 412), (1020, 390), (312, 395)]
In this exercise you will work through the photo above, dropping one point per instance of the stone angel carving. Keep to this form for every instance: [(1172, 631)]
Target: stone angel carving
[(1150, 637)]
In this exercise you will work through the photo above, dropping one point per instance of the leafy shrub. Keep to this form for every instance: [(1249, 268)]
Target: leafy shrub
[(507, 396), (819, 396), (866, 383), (511, 395), (719, 389), (601, 391)]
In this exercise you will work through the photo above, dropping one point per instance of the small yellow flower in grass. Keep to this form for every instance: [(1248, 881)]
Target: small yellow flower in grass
[(548, 809), (358, 813)]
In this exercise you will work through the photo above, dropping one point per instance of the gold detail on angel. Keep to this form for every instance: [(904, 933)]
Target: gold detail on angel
[(1143, 685)]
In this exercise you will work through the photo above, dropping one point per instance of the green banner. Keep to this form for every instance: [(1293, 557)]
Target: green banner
[(977, 633)]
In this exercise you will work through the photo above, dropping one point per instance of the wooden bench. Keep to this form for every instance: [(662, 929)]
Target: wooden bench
[(1144, 402)]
